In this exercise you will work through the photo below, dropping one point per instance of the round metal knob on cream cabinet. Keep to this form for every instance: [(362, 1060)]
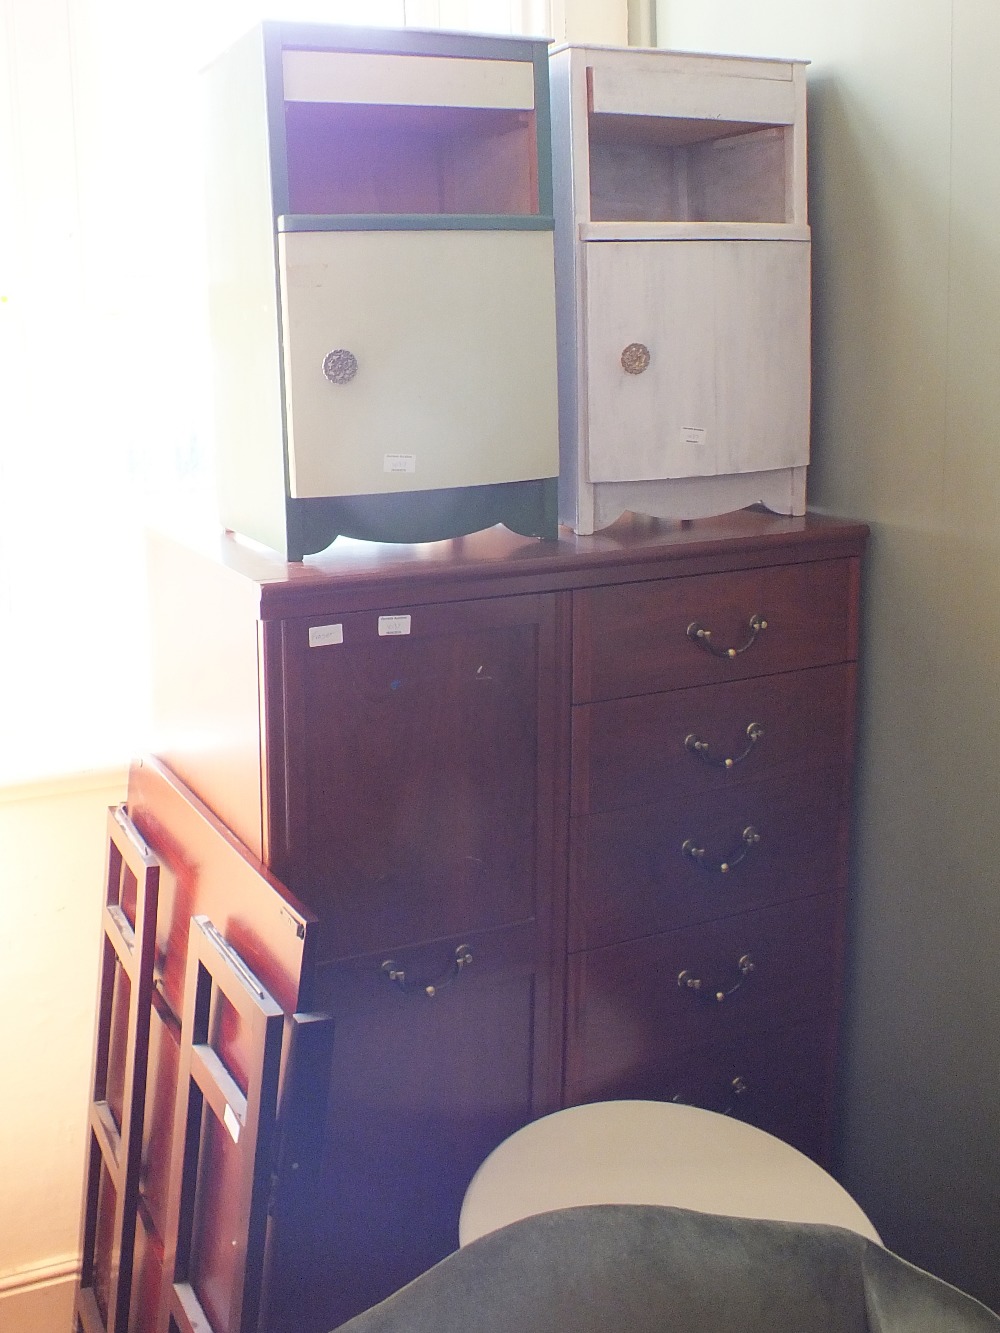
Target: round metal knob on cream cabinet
[(340, 366), (635, 358)]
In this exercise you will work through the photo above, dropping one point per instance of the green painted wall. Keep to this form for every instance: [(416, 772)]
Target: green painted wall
[(905, 200)]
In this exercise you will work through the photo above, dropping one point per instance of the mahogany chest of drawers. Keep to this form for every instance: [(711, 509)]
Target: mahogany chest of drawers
[(566, 820)]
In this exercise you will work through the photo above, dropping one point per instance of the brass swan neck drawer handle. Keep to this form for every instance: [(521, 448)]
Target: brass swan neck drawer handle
[(463, 957), (749, 838), (701, 748), (736, 1088), (703, 991), (703, 637)]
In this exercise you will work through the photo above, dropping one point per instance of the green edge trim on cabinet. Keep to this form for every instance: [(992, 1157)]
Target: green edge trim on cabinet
[(525, 507), (289, 222), (543, 132)]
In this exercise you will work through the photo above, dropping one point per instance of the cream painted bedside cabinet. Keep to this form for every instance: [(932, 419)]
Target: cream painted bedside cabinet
[(381, 285), (682, 260)]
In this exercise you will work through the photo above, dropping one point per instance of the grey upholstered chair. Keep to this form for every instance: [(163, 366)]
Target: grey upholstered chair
[(641, 1269)]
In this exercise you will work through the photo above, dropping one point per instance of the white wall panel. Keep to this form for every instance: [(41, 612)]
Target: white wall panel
[(905, 186)]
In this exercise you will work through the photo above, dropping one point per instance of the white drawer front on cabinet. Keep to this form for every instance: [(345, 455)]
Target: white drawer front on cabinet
[(450, 379), (638, 88), (725, 330), (358, 78)]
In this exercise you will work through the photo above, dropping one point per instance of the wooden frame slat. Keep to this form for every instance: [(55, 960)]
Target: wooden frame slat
[(205, 1085), (115, 1150)]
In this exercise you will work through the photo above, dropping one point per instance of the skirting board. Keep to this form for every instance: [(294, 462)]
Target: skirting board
[(38, 1300)]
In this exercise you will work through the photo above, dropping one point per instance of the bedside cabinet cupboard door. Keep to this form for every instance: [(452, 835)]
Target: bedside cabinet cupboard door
[(636, 1002), (419, 772), (451, 340), (657, 297), (726, 387), (641, 871), (639, 638), (654, 747)]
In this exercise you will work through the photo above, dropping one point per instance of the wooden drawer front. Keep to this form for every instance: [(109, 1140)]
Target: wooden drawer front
[(646, 748), (422, 1089), (633, 638), (418, 789), (779, 1080), (627, 1005), (362, 984), (405, 80), (704, 92), (633, 876)]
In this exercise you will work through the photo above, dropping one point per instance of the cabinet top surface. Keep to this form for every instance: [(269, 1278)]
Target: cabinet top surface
[(752, 65), (320, 36), (498, 561)]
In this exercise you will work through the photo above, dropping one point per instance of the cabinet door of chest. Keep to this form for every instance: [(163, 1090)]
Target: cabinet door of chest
[(417, 792), (723, 382)]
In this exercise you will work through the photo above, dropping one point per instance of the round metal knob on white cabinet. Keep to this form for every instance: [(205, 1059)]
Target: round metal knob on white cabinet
[(635, 358), (340, 366)]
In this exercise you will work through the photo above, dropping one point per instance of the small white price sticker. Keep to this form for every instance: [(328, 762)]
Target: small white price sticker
[(393, 625), (232, 1123), (399, 463), (321, 635)]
